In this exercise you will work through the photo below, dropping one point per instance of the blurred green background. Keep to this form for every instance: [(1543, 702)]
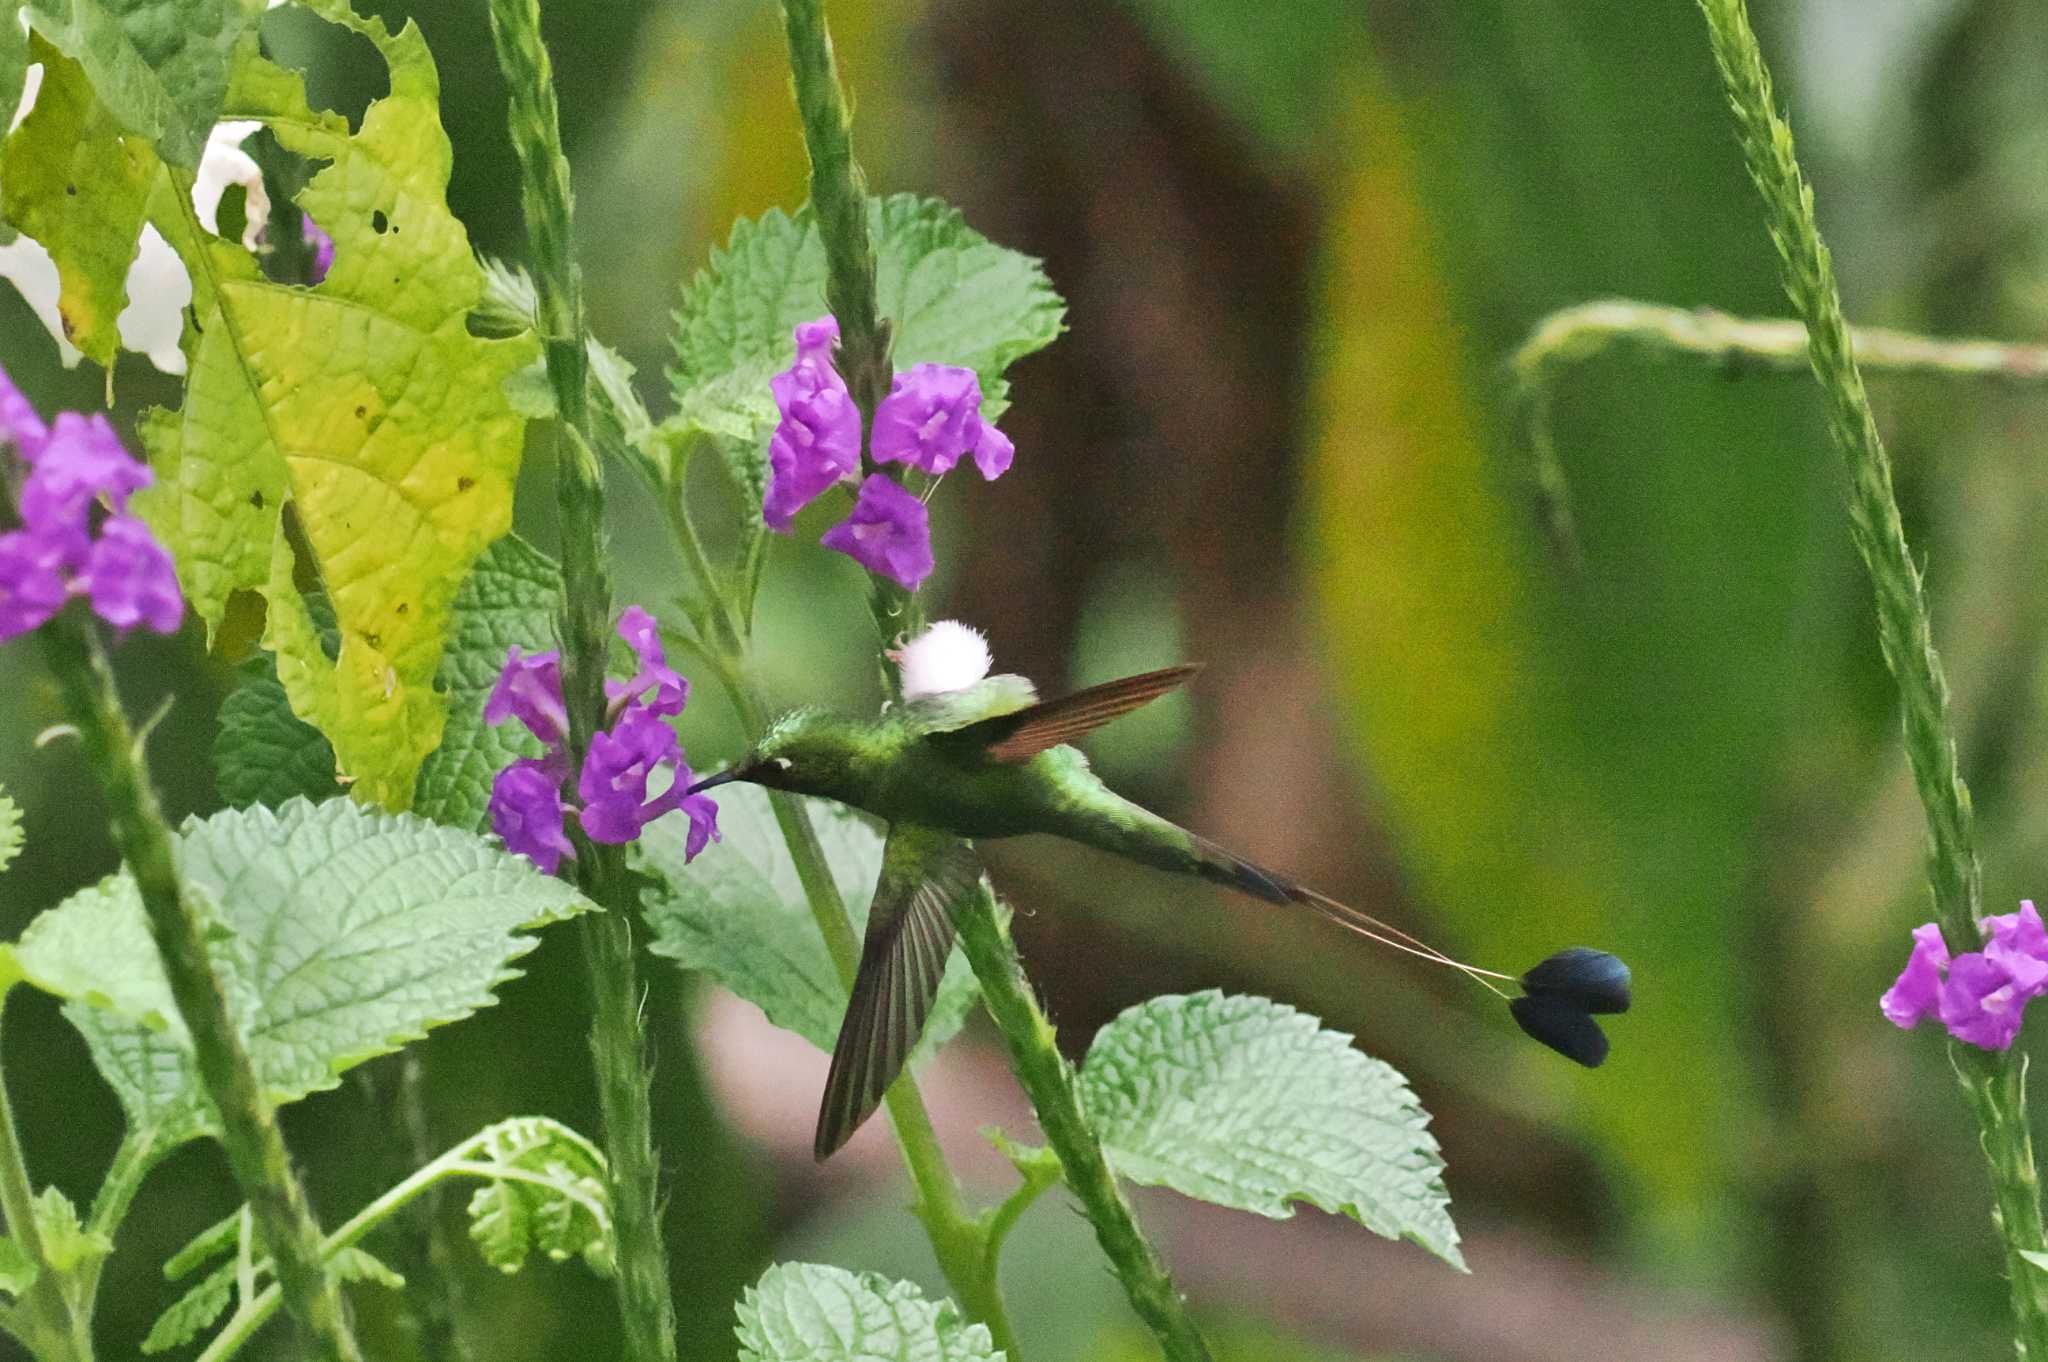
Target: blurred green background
[(1297, 241)]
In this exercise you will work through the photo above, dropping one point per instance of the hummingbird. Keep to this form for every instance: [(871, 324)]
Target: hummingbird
[(989, 760)]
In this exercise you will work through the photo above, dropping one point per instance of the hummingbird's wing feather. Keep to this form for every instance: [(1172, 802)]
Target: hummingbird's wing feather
[(946, 711), (926, 875), (1023, 735)]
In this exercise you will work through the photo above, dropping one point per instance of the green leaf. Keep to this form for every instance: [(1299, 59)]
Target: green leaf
[(193, 1312), (339, 934), (2035, 1257), (13, 66), (1246, 1103), (560, 1207), (806, 1312), (17, 1270), (509, 597), (365, 402), (353, 1264), (263, 753), (738, 913), (222, 1236), (79, 187), (953, 296), (10, 830), (161, 66), (620, 418), (67, 1244)]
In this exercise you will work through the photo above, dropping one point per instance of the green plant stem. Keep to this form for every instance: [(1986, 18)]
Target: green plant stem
[(839, 198), (251, 1315), (618, 1045), (1995, 1082), (44, 1320), (959, 1239), (1588, 331), (1049, 1081), (255, 1147)]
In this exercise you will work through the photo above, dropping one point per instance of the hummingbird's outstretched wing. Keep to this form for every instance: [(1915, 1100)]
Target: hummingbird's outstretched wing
[(926, 876), (1022, 735)]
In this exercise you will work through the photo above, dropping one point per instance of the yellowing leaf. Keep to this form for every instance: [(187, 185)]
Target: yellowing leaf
[(364, 401), (78, 186)]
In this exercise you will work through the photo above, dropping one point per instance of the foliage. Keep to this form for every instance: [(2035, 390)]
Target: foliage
[(952, 296), (339, 934), (1250, 1104), (741, 916), (804, 1312)]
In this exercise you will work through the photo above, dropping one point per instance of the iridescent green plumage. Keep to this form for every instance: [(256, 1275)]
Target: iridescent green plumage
[(986, 761)]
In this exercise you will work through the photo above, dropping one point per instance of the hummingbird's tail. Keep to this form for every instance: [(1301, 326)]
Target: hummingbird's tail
[(1559, 996)]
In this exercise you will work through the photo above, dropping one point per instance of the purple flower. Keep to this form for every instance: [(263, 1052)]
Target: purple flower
[(1917, 994), (1982, 1002), (129, 577), (32, 570), (817, 441), (613, 785), (320, 244), (1980, 996), (527, 811), (671, 692), (932, 418), (80, 461), (75, 464), (530, 689), (888, 533)]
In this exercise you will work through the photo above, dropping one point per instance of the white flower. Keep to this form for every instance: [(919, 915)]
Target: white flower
[(945, 657), (158, 287)]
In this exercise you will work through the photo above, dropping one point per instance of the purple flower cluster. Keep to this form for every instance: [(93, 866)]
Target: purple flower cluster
[(930, 420), (1980, 996), (76, 465), (527, 809)]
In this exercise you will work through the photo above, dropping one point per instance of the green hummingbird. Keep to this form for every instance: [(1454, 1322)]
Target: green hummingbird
[(991, 760)]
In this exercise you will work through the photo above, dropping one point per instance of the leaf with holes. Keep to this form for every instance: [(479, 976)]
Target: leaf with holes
[(365, 402), (805, 1312), (952, 296), (1246, 1103), (76, 184), (339, 934), (739, 913), (160, 66)]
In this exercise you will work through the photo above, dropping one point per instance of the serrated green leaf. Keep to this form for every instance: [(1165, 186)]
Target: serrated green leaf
[(807, 1312), (67, 1244), (566, 1214), (509, 597), (953, 296), (353, 1264), (161, 66), (10, 830), (363, 401), (78, 186), (263, 753), (738, 913), (17, 1270), (193, 1312), (339, 933), (1247, 1103)]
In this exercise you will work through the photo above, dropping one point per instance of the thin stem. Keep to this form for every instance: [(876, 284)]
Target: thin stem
[(959, 1239), (252, 1313), (618, 1045), (44, 1321), (839, 198), (255, 1148), (1588, 331), (133, 1158), (1049, 1081), (1995, 1082)]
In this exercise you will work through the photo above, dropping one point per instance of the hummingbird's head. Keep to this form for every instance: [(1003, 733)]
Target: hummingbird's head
[(809, 752)]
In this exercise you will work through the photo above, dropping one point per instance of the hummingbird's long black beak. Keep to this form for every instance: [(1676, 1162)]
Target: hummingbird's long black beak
[(709, 782)]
